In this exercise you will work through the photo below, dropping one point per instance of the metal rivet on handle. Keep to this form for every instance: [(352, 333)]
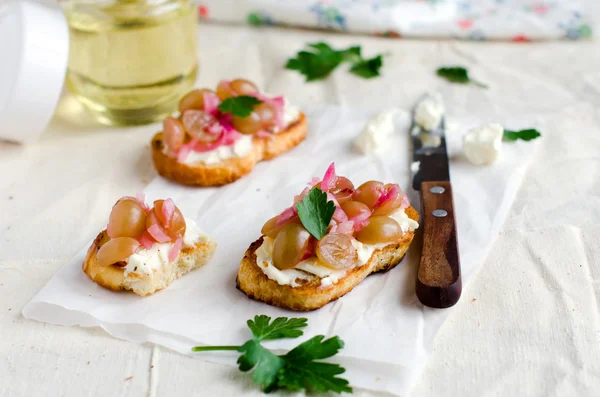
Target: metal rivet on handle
[(439, 213), (437, 190)]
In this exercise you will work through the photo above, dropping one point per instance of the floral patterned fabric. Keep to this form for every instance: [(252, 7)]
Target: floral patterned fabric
[(516, 20)]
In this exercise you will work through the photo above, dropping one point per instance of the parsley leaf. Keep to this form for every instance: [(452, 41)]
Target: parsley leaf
[(302, 371), (239, 106), (526, 135), (266, 364), (281, 327), (320, 60), (368, 68), (315, 212), (458, 74), (296, 370)]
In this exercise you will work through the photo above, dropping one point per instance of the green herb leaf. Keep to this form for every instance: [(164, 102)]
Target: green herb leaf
[(302, 371), (526, 135), (315, 212), (239, 106), (320, 60), (458, 74), (367, 68), (281, 327), (298, 369), (266, 364)]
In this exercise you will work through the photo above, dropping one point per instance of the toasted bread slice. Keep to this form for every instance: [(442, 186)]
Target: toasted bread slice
[(228, 170), (252, 281), (113, 277)]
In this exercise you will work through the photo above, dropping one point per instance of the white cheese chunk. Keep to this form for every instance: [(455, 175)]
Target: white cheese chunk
[(483, 145)]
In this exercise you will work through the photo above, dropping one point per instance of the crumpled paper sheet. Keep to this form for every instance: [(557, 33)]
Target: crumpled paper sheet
[(388, 333)]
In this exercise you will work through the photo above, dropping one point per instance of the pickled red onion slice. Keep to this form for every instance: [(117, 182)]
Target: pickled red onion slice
[(361, 220), (146, 240), (339, 215), (300, 196), (158, 234), (405, 202), (329, 178), (141, 199), (168, 209), (389, 194), (286, 215), (184, 151), (175, 249), (314, 181), (211, 101), (331, 197), (344, 228)]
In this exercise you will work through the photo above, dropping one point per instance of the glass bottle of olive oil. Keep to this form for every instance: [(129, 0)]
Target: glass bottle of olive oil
[(131, 60)]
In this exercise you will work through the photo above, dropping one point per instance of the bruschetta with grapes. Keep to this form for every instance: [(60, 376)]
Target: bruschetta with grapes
[(220, 135), (327, 242), (144, 249)]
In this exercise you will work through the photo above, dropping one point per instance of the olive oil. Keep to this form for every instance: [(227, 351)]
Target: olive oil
[(131, 60)]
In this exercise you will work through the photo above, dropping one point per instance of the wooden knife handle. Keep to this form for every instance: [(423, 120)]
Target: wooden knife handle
[(438, 279)]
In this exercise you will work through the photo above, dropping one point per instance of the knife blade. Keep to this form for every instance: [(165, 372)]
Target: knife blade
[(438, 281)]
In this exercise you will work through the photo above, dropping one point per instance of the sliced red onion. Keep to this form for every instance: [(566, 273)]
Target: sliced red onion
[(339, 215), (158, 234), (314, 181), (405, 202), (225, 121), (286, 215), (175, 249), (146, 240), (331, 197), (344, 228), (328, 181), (300, 196), (184, 151), (389, 194), (361, 220), (168, 209), (211, 102)]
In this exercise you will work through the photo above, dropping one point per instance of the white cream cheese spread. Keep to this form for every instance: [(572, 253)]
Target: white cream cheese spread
[(311, 268), (147, 261), (483, 145)]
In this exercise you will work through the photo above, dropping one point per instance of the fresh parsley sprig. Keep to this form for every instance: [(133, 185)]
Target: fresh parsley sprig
[(526, 135), (320, 60), (239, 106), (297, 369), (315, 212), (458, 74)]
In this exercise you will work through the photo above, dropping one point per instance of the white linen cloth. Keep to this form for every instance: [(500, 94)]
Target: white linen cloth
[(382, 313), (527, 323), (517, 20)]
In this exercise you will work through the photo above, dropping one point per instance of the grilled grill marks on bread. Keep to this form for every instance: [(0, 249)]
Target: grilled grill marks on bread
[(253, 282), (231, 169)]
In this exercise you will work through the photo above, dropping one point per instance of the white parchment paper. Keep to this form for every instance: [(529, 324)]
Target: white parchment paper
[(388, 333)]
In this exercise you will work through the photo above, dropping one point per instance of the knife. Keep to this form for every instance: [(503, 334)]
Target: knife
[(438, 278)]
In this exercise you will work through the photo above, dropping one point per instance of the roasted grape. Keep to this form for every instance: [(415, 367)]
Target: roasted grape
[(174, 133), (271, 228), (355, 208), (381, 229), (247, 125), (392, 203), (368, 193), (243, 87), (196, 123), (289, 246), (224, 91), (116, 250), (193, 100), (127, 219), (342, 190), (176, 227), (335, 250)]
